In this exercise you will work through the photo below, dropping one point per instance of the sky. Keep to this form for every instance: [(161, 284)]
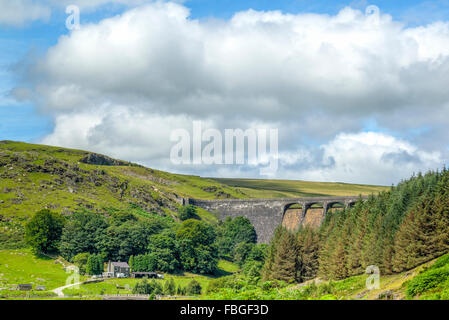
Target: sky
[(357, 90)]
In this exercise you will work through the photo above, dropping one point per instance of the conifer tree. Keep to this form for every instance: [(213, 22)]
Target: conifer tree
[(285, 261), (354, 261), (131, 263), (327, 244), (267, 272), (308, 253), (418, 239)]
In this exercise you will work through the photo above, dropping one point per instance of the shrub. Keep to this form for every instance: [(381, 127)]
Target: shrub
[(426, 281), (326, 288), (229, 282), (198, 253), (170, 287), (44, 230), (268, 285), (253, 269), (147, 287), (193, 288), (187, 212), (441, 262), (94, 264), (80, 260)]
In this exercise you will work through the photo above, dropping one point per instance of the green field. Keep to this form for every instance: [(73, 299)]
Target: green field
[(259, 188), (124, 286), (23, 267)]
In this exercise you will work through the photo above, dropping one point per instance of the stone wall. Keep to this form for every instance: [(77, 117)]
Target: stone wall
[(265, 216)]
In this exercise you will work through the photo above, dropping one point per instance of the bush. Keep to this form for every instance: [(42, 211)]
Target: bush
[(425, 281), (147, 287), (326, 288), (95, 264), (220, 283), (180, 291), (170, 287), (253, 269), (232, 232), (44, 230), (80, 260), (198, 253), (268, 285), (193, 288), (187, 212), (441, 262)]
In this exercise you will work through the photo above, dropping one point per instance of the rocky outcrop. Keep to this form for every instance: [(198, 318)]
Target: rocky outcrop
[(101, 160)]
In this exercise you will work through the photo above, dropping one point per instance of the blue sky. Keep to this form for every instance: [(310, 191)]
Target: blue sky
[(23, 121), (400, 126)]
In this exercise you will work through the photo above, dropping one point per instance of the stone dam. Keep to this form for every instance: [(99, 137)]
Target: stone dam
[(267, 214)]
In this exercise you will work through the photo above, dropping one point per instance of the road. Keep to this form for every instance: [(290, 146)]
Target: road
[(59, 290)]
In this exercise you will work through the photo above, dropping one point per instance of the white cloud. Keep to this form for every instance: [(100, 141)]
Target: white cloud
[(141, 74), (370, 156), (256, 61), (18, 12), (119, 132)]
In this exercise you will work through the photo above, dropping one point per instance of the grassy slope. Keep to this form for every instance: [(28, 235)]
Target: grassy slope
[(23, 267), (257, 188), (33, 177), (392, 285), (36, 176)]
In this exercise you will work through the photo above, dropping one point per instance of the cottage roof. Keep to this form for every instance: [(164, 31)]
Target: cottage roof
[(120, 264), (149, 273)]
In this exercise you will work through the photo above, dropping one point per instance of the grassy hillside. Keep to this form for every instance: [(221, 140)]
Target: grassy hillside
[(33, 177), (21, 266), (259, 188)]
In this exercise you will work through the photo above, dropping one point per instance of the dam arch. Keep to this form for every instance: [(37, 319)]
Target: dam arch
[(293, 214)]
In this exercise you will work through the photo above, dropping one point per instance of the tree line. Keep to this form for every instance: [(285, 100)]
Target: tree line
[(396, 230), (149, 242)]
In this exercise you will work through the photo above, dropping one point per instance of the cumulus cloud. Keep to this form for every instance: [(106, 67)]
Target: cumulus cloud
[(119, 132), (18, 12), (137, 76), (375, 157)]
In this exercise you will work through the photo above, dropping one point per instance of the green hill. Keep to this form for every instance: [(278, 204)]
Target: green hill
[(33, 177), (261, 188)]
